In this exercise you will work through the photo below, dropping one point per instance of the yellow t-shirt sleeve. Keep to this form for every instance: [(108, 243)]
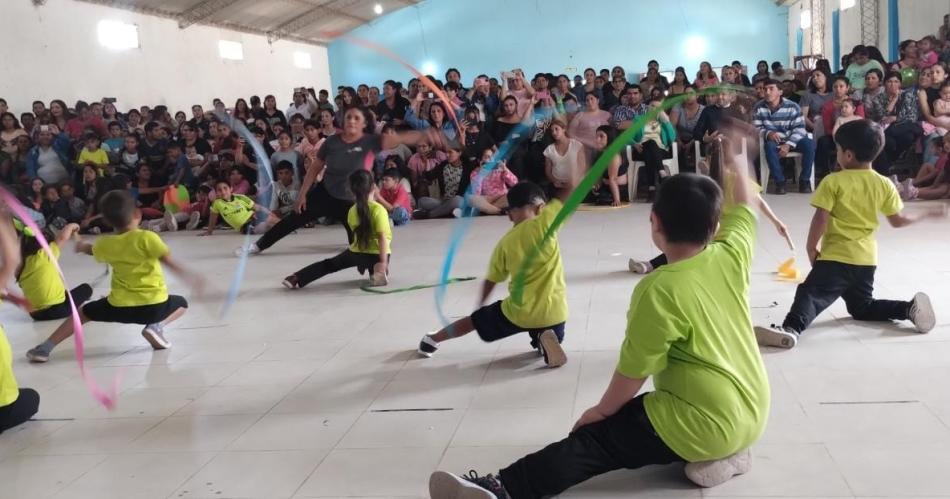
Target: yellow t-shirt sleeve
[(100, 250), (824, 197), (737, 231), (381, 222), (497, 266), (651, 328), (891, 204)]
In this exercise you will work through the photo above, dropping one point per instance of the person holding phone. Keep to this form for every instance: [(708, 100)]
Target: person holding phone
[(304, 104), (514, 84), (437, 117)]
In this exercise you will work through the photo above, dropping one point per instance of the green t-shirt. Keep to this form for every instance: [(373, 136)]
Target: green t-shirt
[(856, 73), (379, 218), (236, 211), (854, 198), (137, 277), (545, 293), (689, 327)]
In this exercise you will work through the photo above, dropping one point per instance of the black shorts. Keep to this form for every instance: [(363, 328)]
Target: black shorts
[(492, 325), (103, 311)]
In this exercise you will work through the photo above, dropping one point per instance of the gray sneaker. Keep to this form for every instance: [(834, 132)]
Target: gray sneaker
[(719, 471), (171, 223), (921, 313), (551, 349), (775, 336), (639, 267), (37, 355), (154, 334)]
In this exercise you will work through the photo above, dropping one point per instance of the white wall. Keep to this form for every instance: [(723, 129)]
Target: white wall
[(53, 52), (918, 18)]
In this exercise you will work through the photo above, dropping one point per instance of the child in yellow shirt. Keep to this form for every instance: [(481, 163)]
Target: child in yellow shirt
[(93, 155), (138, 294), (16, 404), (237, 210), (40, 281), (543, 312), (847, 204)]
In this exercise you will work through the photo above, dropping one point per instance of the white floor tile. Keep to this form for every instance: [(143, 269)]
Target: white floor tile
[(256, 474)]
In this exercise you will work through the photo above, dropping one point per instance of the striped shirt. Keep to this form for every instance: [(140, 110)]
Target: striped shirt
[(786, 121)]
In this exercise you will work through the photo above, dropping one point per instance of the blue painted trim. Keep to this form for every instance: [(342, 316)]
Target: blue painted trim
[(836, 39), (799, 42), (893, 30)]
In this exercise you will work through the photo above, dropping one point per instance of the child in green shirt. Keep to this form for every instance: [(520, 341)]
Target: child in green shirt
[(138, 294), (847, 204), (237, 210), (690, 328), (543, 310)]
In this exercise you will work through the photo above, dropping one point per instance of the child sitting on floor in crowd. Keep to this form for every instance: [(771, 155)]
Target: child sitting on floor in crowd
[(93, 155), (138, 294), (393, 196), (689, 327), (542, 309), (370, 249), (716, 173), (847, 204), (54, 208), (17, 405), (238, 211), (489, 194), (76, 206), (286, 188), (452, 177), (39, 279)]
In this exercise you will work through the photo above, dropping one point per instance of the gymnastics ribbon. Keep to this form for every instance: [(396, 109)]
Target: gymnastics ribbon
[(264, 192), (370, 289), (106, 398), (595, 173)]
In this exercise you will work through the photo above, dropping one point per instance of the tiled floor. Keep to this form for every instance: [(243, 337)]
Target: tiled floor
[(298, 394)]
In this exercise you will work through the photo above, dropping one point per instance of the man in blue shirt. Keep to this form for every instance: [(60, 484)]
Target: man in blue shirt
[(782, 127)]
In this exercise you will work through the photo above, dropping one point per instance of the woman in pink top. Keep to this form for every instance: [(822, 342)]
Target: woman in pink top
[(490, 195), (706, 77), (583, 126), (425, 159)]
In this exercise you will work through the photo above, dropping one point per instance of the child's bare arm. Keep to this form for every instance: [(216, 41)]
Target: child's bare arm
[(819, 222), (899, 220), (192, 279), (9, 252), (84, 247), (211, 224), (620, 391), (779, 226), (487, 288), (69, 232)]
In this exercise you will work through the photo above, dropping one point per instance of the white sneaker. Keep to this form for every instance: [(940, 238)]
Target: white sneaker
[(95, 231), (250, 250), (155, 335), (712, 473), (377, 279), (457, 213), (170, 222), (638, 267), (775, 336), (193, 220), (922, 313), (551, 349)]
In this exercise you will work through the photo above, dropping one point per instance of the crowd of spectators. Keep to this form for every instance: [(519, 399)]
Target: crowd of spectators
[(61, 159)]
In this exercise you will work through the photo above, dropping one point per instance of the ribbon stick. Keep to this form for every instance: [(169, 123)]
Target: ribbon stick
[(106, 398), (265, 186), (378, 291), (595, 173)]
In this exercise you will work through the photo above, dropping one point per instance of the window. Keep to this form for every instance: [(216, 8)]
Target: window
[(806, 19), (231, 50), (847, 4), (118, 35), (302, 60)]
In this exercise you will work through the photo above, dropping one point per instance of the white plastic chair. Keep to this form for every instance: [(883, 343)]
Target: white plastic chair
[(672, 165), (764, 164), (743, 154)]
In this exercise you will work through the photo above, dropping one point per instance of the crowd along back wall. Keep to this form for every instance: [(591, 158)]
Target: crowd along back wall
[(53, 52), (562, 36)]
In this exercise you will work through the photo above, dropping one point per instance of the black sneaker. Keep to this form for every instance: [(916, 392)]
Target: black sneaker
[(444, 485), (427, 346), (804, 187), (779, 188)]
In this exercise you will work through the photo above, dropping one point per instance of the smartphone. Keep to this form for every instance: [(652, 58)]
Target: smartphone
[(544, 94), (430, 95), (44, 128), (108, 100)]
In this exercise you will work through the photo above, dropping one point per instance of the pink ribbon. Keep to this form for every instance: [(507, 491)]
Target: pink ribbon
[(107, 399)]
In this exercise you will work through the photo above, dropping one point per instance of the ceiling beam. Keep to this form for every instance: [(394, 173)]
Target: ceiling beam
[(308, 18), (201, 11), (328, 6)]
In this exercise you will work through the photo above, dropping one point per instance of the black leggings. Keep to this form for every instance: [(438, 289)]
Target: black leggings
[(345, 260), (659, 261), (80, 294), (653, 155), (623, 440), (21, 410), (319, 204)]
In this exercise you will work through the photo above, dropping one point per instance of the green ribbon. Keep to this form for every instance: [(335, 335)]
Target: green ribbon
[(378, 291), (595, 173)]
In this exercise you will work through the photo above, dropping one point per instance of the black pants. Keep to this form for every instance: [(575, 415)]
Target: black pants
[(898, 138), (345, 260), (828, 281), (80, 294), (21, 410), (659, 261), (319, 204), (825, 155), (653, 155), (624, 440)]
